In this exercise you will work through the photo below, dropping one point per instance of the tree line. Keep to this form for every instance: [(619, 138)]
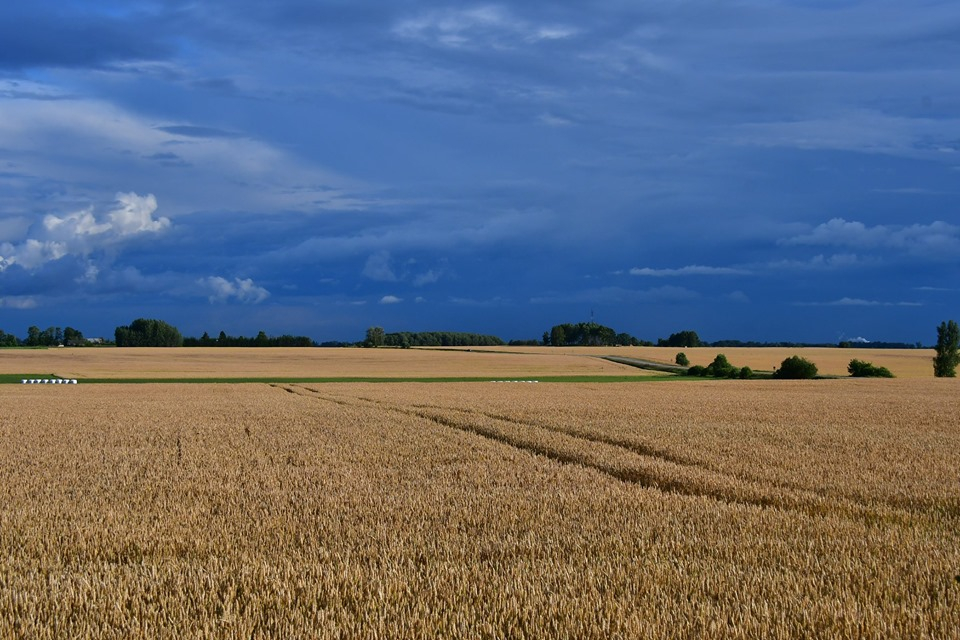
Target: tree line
[(261, 340), (144, 332), (588, 334), (377, 337)]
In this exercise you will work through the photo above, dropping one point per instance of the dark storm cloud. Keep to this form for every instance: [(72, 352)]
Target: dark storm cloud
[(750, 156), (53, 34)]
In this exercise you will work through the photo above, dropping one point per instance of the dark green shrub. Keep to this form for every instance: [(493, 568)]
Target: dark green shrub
[(682, 359), (861, 369), (796, 368), (697, 370), (720, 367), (746, 372)]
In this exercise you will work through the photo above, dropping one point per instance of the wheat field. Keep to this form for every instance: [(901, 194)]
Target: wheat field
[(725, 509), (240, 362), (903, 363)]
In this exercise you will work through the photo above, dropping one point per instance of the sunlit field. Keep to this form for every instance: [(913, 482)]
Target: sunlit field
[(903, 363), (213, 362), (689, 508)]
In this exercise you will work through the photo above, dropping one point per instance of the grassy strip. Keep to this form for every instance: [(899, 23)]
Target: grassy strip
[(16, 378), (9, 379)]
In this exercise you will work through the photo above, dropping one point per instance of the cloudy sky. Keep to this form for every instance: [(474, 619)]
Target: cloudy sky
[(751, 169)]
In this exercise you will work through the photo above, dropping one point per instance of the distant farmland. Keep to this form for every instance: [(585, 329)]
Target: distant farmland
[(212, 362), (591, 510)]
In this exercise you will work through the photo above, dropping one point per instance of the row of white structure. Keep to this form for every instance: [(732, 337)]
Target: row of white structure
[(48, 381)]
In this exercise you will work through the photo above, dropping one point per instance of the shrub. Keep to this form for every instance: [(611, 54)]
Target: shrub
[(682, 359), (746, 372), (720, 367), (796, 368), (861, 369), (697, 370)]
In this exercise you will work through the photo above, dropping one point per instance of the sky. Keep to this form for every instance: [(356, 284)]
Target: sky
[(747, 169)]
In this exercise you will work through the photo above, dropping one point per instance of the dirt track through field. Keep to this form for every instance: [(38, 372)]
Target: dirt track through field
[(624, 460)]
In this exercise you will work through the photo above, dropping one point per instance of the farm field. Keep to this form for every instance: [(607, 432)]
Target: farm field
[(507, 362), (727, 509), (217, 362), (903, 363)]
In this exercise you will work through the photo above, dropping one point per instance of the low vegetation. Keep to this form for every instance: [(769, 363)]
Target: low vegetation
[(796, 368), (861, 369), (720, 368)]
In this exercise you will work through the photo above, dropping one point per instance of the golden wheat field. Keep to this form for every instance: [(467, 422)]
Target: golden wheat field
[(903, 363), (728, 509), (214, 362)]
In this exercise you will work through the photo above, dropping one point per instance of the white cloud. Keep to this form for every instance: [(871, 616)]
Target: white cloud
[(857, 302), (619, 295), (936, 239), (79, 141), (81, 234), (690, 270), (390, 300), (821, 262), (483, 26), (379, 267), (18, 302), (223, 290), (554, 121), (862, 130), (429, 277)]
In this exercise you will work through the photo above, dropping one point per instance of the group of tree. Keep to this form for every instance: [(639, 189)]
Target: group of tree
[(144, 332), (377, 337), (588, 334), (796, 368), (53, 337), (261, 340), (861, 369), (719, 368), (682, 339)]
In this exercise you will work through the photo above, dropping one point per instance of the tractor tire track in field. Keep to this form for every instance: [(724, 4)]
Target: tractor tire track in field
[(626, 462)]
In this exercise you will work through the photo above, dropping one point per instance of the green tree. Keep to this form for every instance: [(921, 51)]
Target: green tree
[(681, 339), (73, 337), (721, 368), (682, 359), (375, 337), (948, 350), (558, 336), (33, 336), (861, 369), (796, 368), (144, 332)]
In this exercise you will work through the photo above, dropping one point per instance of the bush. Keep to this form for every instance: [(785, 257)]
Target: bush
[(721, 367), (796, 368), (682, 359), (697, 370), (746, 372), (861, 369)]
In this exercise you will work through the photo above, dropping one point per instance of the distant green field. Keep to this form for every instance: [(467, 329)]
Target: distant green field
[(15, 378)]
